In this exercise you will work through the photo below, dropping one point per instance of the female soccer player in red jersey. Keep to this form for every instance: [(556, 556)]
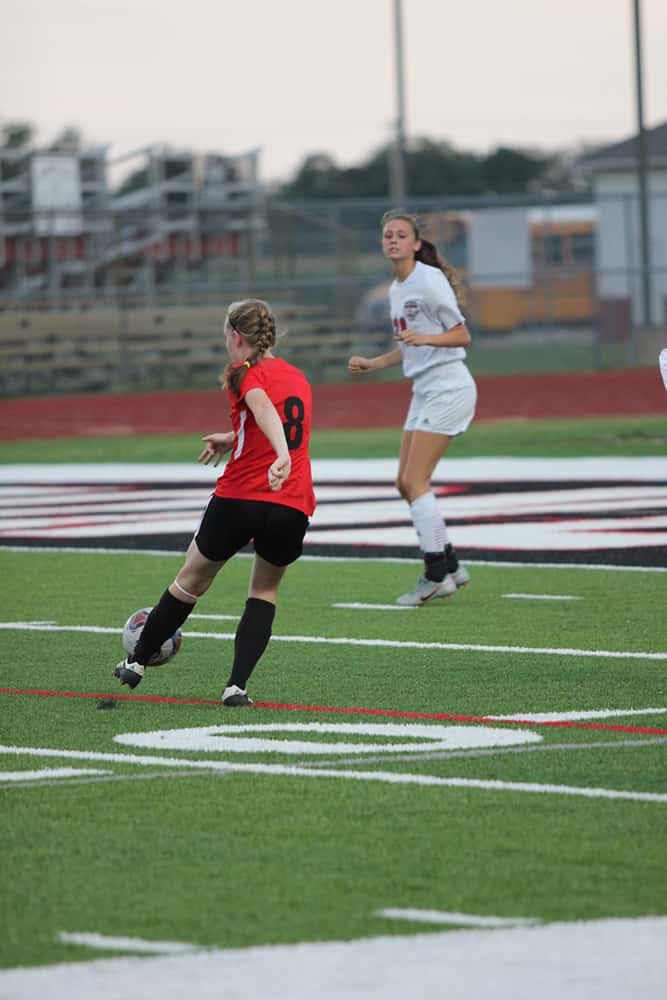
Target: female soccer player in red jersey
[(431, 334), (265, 494)]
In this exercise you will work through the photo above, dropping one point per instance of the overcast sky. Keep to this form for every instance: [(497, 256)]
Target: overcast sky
[(300, 76)]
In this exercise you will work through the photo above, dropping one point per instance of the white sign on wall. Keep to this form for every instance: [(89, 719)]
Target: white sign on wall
[(499, 248), (56, 194)]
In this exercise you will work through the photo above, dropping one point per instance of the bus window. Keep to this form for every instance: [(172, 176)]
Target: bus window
[(553, 248), (582, 248)]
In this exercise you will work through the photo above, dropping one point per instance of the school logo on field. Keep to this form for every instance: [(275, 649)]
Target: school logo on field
[(586, 511), (411, 309)]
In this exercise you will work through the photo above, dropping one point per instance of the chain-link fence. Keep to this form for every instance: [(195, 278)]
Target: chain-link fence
[(135, 299)]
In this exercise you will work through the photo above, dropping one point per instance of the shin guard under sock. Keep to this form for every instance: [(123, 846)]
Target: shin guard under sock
[(252, 638), (166, 617), (435, 566)]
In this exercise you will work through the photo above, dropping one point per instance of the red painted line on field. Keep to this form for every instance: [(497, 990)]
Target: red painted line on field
[(115, 697), (383, 712)]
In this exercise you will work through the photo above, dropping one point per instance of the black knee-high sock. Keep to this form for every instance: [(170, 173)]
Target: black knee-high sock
[(252, 638), (435, 566), (168, 614), (452, 558)]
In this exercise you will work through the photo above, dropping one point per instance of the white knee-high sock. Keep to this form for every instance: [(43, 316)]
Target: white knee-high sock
[(429, 523)]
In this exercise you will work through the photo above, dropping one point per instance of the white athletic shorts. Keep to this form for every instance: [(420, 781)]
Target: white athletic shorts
[(443, 400)]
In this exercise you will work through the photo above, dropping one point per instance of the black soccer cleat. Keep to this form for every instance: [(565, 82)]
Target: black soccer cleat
[(235, 697), (129, 673)]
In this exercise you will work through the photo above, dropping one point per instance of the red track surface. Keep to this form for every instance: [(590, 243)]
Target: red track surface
[(637, 392)]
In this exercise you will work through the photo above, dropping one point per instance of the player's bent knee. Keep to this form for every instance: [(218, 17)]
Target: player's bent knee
[(183, 592)]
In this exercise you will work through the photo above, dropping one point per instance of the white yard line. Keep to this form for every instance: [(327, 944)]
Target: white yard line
[(542, 597), (48, 773), (575, 714), (103, 942), (398, 758), (461, 919), (343, 641), (105, 778), (357, 606), (388, 777), (402, 560), (216, 618)]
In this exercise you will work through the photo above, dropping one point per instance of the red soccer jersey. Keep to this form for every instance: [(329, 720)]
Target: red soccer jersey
[(245, 476)]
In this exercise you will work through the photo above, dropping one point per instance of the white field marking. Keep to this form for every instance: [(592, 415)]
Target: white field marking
[(495, 751), (57, 494), (602, 713), (343, 641), (579, 960), (608, 500), (105, 943), (563, 534), (399, 560), (543, 597), (547, 536), (48, 772), (108, 777), (63, 509), (463, 919), (504, 564), (353, 471), (356, 606), (426, 736), (342, 762), (217, 618), (295, 771), (111, 527)]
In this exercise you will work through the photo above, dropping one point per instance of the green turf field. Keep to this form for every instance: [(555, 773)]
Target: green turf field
[(329, 817), (552, 438)]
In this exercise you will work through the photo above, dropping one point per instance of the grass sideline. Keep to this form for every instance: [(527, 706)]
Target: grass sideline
[(602, 436)]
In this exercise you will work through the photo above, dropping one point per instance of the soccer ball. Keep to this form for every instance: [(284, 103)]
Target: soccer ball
[(133, 628)]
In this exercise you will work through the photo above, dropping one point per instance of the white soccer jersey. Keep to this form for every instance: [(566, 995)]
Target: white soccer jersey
[(425, 302)]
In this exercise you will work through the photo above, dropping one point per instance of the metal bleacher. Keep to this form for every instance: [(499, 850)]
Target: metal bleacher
[(137, 349)]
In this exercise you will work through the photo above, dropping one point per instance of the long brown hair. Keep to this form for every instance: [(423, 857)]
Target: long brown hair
[(255, 322), (428, 253)]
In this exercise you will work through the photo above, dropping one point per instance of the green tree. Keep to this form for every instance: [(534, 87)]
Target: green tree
[(432, 168), (510, 171), (16, 135), (69, 140)]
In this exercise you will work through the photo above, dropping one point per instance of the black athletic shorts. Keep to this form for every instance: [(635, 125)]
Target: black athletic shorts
[(229, 525)]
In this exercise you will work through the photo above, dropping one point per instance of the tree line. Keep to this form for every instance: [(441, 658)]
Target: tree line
[(431, 168)]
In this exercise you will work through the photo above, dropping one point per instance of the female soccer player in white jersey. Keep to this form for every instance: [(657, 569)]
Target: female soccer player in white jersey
[(425, 300)]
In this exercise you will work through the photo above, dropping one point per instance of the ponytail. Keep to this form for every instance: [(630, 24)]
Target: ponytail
[(233, 376), (253, 320), (429, 255)]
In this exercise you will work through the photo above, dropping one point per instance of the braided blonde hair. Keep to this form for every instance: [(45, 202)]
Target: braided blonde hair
[(253, 320)]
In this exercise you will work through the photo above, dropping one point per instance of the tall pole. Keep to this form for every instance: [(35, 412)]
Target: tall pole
[(645, 250), (397, 161)]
